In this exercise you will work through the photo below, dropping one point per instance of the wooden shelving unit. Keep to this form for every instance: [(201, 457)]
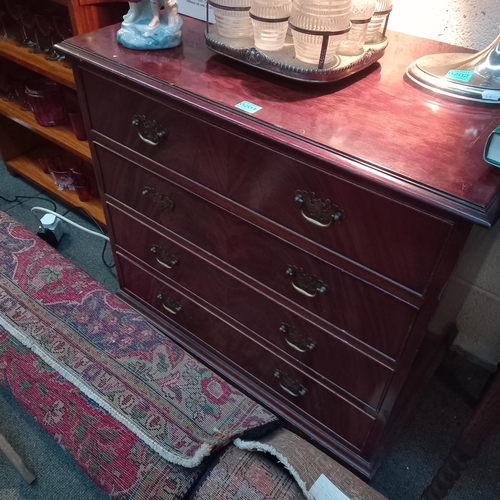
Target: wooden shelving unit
[(27, 165), (63, 136), (55, 70), (21, 137)]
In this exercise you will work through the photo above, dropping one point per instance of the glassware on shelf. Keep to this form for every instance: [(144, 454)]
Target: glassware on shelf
[(28, 22), (60, 169), (270, 22), (13, 10), (81, 182), (6, 88), (76, 120), (46, 160), (361, 14), (46, 100), (45, 25), (375, 31), (5, 36), (232, 18), (318, 28), (62, 25), (20, 91)]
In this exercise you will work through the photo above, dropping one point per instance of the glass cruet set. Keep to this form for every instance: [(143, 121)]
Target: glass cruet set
[(320, 29)]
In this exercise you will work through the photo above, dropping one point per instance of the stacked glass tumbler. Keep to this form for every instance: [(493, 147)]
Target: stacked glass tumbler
[(310, 20), (270, 22)]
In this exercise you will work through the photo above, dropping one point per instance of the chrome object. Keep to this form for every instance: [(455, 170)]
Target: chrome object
[(467, 77)]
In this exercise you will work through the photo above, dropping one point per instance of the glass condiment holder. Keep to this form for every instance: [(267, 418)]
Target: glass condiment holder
[(361, 14), (270, 22), (318, 28), (232, 18), (374, 33)]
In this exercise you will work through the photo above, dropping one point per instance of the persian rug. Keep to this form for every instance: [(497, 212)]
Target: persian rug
[(244, 475), (107, 451), (173, 403), (318, 475)]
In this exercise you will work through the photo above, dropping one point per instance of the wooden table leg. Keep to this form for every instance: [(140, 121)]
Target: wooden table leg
[(480, 426), (16, 460)]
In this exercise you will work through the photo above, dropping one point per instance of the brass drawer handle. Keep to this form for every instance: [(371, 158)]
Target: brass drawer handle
[(169, 304), (150, 131), (307, 284), (289, 385), (168, 260), (316, 211), (162, 201), (297, 340)]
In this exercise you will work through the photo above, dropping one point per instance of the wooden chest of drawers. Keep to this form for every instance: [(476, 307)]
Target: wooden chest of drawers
[(301, 251)]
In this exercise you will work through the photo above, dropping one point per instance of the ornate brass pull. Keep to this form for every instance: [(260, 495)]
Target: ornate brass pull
[(316, 211), (289, 385), (298, 340), (168, 260), (162, 201), (306, 284), (169, 304), (150, 131)]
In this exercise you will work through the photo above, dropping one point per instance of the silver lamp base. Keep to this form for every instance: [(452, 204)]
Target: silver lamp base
[(468, 77)]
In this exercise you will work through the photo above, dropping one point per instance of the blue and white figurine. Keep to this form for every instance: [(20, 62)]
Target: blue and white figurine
[(145, 27)]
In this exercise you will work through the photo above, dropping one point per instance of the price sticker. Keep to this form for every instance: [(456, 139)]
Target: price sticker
[(324, 489), (460, 75), (249, 107), (491, 95)]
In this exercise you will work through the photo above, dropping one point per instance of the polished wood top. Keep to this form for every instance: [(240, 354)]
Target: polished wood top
[(373, 124)]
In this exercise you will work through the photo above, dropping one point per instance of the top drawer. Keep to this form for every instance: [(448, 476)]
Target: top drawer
[(389, 237)]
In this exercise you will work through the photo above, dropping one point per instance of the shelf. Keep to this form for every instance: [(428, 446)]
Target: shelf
[(55, 70), (27, 166), (62, 136)]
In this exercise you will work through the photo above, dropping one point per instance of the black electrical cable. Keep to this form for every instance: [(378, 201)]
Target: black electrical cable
[(75, 209), (18, 199)]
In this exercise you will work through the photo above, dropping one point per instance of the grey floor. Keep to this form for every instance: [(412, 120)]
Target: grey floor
[(407, 469)]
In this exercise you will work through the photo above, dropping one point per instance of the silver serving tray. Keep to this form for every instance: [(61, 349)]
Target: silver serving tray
[(283, 62)]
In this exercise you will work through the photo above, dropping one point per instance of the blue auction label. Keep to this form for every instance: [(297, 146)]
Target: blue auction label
[(460, 75), (249, 107)]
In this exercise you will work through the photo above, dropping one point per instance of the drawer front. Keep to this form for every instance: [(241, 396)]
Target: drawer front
[(198, 160), (386, 236), (391, 238), (307, 344), (366, 312), (340, 416)]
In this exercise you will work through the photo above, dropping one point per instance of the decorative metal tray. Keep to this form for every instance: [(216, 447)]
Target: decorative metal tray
[(283, 62)]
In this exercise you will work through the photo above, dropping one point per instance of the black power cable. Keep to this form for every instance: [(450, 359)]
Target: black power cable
[(76, 209)]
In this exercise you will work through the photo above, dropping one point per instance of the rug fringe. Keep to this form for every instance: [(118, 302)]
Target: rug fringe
[(266, 448), (203, 451)]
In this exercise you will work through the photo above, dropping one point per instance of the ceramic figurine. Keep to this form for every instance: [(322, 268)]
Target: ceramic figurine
[(146, 27)]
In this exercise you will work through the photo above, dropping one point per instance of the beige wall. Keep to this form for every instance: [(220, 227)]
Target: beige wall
[(471, 24)]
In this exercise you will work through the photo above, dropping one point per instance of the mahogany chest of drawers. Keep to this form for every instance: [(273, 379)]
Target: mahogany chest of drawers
[(301, 250)]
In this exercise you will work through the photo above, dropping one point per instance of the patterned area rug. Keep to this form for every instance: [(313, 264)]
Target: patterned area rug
[(318, 475), (241, 475), (177, 406)]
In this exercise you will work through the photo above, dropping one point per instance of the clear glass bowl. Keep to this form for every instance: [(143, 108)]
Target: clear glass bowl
[(270, 35), (319, 15), (233, 23)]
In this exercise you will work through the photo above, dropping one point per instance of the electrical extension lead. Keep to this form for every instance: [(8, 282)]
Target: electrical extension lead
[(65, 219)]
